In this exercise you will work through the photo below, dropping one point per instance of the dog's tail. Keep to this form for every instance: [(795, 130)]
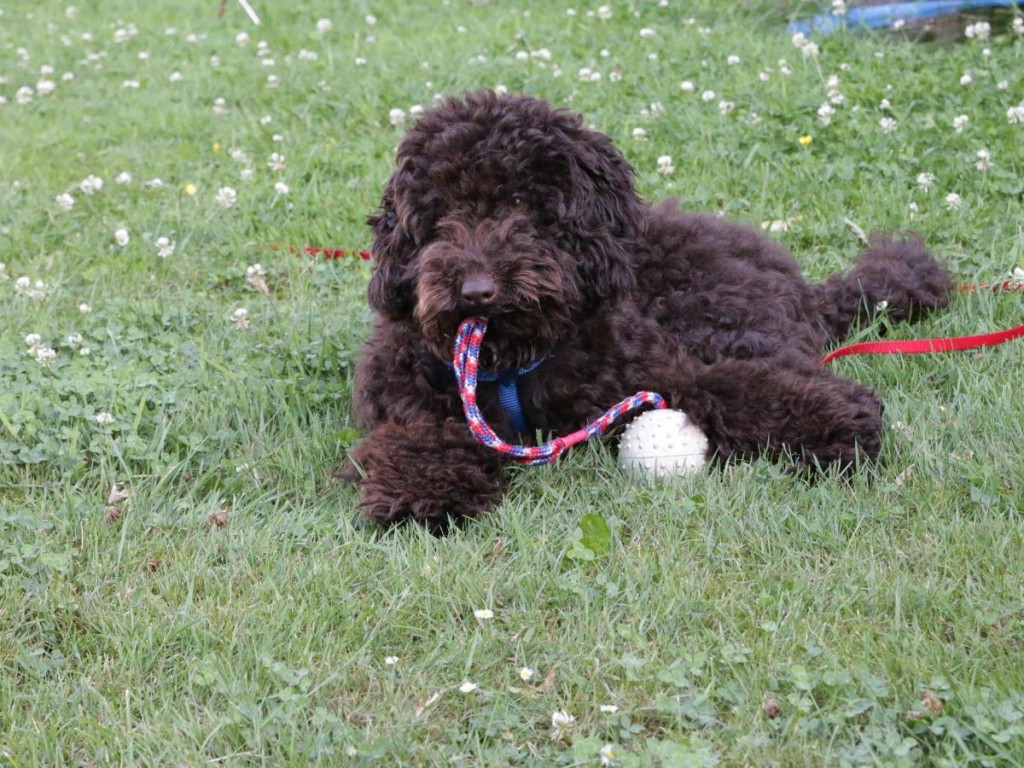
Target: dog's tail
[(898, 277)]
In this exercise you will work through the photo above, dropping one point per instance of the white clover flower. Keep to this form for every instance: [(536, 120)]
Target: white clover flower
[(959, 123), (360, 61), (84, 308), (484, 613), (609, 709), (604, 13), (390, 660), (912, 209), (156, 183), (953, 201), (273, 81), (74, 339), (246, 174), (810, 51), (45, 87), (980, 30), (240, 318), (966, 78), (839, 7), (468, 687), (242, 38), (687, 86), (885, 104), (175, 77), (639, 134), (45, 356), (647, 32), (91, 185), (984, 160), (226, 197), (887, 124), (1018, 25), (607, 754), (1016, 114), (370, 19), (825, 113), (708, 95), (131, 85), (276, 161), (323, 26), (220, 107), (104, 418), (305, 55), (725, 107), (665, 165), (396, 116), (799, 40), (525, 673), (164, 247), (23, 95), (121, 237), (732, 60), (123, 178), (281, 188), (34, 341), (560, 722), (65, 201), (925, 180)]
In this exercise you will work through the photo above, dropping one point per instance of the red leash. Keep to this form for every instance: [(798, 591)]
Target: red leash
[(948, 344), (327, 253)]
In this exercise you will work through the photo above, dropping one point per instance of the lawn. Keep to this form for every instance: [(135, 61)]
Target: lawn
[(183, 579)]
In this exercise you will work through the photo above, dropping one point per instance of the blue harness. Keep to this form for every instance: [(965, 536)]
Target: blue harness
[(508, 392)]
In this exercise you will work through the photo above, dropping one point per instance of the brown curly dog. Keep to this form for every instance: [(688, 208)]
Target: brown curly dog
[(503, 207)]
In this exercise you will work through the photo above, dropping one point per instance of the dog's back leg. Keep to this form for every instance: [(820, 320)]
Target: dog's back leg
[(899, 276)]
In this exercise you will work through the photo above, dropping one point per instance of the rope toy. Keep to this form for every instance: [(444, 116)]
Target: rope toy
[(466, 359)]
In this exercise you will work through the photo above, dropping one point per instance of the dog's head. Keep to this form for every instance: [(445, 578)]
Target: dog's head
[(503, 207)]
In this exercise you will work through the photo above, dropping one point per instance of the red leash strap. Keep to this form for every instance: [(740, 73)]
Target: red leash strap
[(950, 344), (918, 346)]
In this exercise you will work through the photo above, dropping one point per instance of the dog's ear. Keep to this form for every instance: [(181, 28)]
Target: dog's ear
[(604, 215), (391, 289)]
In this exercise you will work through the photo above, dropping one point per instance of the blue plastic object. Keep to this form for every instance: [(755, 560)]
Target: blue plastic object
[(878, 16)]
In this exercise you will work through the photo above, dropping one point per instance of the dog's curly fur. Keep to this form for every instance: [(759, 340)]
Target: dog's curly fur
[(504, 207)]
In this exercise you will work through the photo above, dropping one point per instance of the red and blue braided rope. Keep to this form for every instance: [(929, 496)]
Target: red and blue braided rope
[(467, 355)]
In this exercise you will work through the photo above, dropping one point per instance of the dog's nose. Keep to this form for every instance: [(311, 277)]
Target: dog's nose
[(479, 290)]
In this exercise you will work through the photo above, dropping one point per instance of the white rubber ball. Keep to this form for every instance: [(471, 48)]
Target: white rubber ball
[(662, 443)]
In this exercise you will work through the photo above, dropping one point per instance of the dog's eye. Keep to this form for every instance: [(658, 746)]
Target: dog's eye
[(516, 201)]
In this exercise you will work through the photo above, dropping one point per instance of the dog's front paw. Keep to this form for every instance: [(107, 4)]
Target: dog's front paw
[(433, 473), (850, 428)]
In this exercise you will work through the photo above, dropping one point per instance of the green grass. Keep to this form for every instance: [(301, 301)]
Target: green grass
[(235, 610)]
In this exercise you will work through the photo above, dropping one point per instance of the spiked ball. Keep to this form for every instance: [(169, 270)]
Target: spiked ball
[(662, 443)]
